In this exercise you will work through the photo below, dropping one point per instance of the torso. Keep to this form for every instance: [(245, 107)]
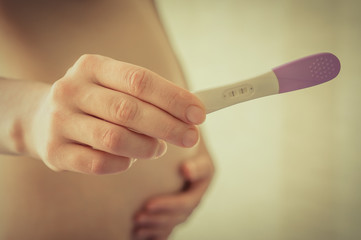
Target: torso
[(39, 41)]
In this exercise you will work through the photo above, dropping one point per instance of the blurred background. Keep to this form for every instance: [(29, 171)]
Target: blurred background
[(288, 166)]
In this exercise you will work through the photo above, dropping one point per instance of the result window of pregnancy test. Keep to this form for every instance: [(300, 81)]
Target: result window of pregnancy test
[(244, 90)]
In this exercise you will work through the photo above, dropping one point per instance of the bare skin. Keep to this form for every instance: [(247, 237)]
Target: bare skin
[(82, 114)]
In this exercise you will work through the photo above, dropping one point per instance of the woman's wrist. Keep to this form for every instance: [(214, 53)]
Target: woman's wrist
[(23, 102), (34, 122)]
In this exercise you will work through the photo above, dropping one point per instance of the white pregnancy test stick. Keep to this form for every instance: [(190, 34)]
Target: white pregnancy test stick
[(298, 74)]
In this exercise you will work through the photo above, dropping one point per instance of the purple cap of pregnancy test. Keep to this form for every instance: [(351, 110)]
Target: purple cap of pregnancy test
[(307, 72)]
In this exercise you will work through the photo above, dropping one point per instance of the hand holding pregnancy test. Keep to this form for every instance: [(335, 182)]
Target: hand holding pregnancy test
[(302, 73)]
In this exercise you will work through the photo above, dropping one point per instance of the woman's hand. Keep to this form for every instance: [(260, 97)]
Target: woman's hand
[(103, 113), (161, 214)]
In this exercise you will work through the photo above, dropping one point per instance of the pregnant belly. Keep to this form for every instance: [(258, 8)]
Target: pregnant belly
[(37, 203)]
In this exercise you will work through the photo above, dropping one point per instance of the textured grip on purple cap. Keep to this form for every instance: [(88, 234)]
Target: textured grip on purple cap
[(307, 72)]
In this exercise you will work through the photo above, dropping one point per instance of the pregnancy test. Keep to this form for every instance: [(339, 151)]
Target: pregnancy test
[(302, 73)]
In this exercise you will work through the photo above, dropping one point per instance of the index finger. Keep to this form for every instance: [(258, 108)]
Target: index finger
[(149, 87)]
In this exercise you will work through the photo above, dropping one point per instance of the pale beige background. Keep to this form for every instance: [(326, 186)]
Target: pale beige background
[(289, 166)]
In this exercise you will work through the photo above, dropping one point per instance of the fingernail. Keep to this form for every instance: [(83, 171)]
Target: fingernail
[(162, 149), (195, 115), (190, 138)]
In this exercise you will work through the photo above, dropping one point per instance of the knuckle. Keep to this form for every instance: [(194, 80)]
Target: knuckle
[(137, 81), (97, 166), (111, 140), (125, 111), (85, 63), (168, 130), (61, 90), (174, 99)]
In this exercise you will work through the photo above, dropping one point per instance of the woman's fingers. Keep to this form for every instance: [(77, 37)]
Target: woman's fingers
[(163, 214), (130, 112), (111, 138), (142, 84), (183, 202)]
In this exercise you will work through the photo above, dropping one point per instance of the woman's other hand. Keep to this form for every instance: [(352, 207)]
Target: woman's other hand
[(161, 214)]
